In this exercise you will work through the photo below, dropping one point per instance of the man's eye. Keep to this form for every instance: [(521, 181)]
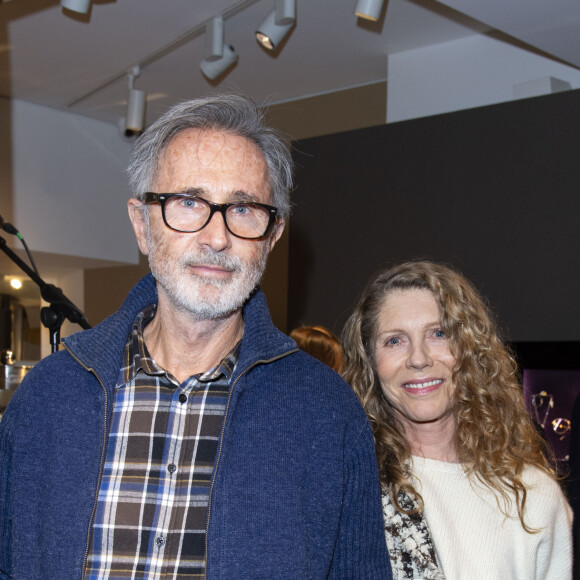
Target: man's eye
[(241, 210)]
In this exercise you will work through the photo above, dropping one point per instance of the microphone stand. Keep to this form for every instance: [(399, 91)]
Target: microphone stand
[(60, 307)]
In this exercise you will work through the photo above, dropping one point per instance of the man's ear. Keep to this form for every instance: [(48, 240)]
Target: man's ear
[(277, 233), (136, 209)]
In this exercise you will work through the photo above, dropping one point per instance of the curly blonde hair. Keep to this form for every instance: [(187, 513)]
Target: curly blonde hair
[(494, 435)]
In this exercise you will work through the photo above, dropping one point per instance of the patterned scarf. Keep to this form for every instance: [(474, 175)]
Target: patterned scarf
[(408, 540)]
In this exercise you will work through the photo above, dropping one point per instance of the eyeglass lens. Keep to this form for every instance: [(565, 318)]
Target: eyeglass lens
[(190, 214)]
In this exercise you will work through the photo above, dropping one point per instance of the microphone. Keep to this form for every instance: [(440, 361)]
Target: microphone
[(8, 228)]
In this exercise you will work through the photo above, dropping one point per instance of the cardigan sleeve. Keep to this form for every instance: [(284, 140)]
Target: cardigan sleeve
[(361, 550), (5, 518)]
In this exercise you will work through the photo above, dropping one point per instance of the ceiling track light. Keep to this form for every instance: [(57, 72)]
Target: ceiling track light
[(80, 6), (277, 24), (135, 115), (369, 9), (219, 56), (214, 68)]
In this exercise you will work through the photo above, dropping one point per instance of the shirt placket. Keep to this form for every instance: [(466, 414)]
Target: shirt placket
[(166, 542)]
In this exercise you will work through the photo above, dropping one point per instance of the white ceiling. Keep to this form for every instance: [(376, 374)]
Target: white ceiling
[(78, 63)]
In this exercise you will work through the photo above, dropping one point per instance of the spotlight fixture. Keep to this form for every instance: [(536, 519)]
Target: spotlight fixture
[(135, 116), (214, 68), (277, 24), (369, 9), (80, 6), (218, 55)]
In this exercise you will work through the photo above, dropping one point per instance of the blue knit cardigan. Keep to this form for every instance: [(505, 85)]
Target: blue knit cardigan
[(295, 491)]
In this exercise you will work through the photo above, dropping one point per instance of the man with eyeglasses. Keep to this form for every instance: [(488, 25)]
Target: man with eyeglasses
[(185, 436)]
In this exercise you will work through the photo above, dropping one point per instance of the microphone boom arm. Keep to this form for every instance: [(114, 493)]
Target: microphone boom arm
[(60, 307)]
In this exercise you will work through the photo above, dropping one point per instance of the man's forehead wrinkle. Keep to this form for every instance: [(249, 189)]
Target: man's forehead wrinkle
[(175, 150), (215, 165), (207, 145)]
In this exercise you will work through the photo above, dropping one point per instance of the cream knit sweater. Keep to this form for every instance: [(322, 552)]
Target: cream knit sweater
[(475, 541)]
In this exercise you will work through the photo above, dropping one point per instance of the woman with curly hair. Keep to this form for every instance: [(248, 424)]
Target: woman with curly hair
[(467, 490)]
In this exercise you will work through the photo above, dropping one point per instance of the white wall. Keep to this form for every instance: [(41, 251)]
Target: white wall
[(462, 74), (63, 185), (69, 184)]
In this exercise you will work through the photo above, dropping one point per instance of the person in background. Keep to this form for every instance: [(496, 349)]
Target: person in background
[(322, 344), (185, 436), (467, 490)]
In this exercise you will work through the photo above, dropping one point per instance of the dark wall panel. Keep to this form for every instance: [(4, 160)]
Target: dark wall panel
[(494, 191)]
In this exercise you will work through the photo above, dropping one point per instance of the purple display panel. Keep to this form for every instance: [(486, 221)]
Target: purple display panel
[(549, 396)]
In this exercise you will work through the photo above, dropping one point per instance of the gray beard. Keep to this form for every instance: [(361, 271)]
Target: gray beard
[(200, 297)]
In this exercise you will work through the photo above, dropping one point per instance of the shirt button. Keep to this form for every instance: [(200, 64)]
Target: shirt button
[(182, 398), (160, 541), (171, 467)]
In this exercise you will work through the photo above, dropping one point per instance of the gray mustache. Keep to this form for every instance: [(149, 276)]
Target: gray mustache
[(209, 258)]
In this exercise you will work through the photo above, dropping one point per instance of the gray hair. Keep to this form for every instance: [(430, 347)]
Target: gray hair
[(230, 113)]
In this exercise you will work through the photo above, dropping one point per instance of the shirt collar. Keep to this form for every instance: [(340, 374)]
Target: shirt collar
[(137, 357)]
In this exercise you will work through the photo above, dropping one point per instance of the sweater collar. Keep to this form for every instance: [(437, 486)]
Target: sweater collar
[(101, 348)]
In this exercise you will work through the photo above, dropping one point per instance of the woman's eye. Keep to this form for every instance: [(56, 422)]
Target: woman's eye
[(393, 341), (439, 333)]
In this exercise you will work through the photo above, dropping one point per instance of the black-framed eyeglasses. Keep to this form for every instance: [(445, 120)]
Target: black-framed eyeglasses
[(187, 213)]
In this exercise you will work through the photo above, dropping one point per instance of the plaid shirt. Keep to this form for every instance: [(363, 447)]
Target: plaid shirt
[(152, 505)]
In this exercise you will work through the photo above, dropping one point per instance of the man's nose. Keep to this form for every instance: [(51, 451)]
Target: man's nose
[(215, 234)]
